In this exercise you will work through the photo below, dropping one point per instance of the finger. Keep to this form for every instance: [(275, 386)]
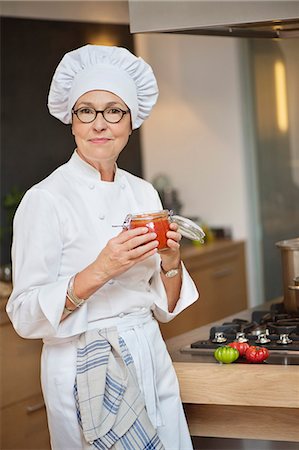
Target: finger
[(174, 235), (173, 226), (145, 256), (143, 249), (125, 235), (139, 240), (173, 245)]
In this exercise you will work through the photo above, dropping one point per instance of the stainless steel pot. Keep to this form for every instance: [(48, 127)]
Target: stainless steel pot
[(290, 271)]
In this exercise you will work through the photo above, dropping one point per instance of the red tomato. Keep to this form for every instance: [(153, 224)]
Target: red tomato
[(240, 346), (255, 354)]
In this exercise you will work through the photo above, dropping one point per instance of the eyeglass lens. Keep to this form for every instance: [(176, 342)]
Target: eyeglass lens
[(112, 115)]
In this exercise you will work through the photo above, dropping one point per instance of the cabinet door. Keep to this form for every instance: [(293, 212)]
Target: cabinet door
[(20, 360), (221, 280), (223, 290), (24, 425)]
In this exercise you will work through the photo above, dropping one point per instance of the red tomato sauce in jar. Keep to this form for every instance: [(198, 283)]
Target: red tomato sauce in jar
[(157, 222)]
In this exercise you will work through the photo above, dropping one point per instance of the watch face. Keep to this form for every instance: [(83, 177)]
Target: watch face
[(172, 273)]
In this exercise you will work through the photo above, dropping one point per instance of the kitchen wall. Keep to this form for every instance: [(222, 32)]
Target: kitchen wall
[(201, 135), (196, 133), (275, 66)]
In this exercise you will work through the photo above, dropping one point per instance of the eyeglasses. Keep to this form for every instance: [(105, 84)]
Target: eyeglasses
[(88, 115)]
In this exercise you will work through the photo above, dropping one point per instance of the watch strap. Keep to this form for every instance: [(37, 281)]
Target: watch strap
[(172, 272)]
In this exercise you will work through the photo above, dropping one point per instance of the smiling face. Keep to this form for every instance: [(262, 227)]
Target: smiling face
[(99, 143)]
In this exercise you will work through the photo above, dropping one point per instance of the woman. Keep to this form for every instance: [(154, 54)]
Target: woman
[(74, 273)]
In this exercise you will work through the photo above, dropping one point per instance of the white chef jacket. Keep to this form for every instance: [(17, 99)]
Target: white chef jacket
[(60, 227)]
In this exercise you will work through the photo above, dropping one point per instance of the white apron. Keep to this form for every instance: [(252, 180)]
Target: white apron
[(156, 376)]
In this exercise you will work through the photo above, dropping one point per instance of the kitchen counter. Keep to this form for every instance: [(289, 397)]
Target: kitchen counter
[(239, 400)]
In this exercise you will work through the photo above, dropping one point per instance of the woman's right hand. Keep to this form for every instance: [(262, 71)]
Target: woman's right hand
[(122, 252), (125, 250)]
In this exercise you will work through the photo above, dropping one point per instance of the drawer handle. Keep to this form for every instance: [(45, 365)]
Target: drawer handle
[(222, 273), (33, 408)]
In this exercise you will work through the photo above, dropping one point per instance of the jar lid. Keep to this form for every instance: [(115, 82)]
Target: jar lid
[(188, 228)]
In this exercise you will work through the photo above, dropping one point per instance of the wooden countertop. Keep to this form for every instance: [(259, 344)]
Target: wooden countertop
[(202, 382), (225, 399), (189, 249)]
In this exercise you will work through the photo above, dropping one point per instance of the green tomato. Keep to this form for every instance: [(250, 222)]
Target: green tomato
[(226, 354)]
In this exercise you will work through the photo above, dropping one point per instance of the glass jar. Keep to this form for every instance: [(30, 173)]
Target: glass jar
[(158, 222)]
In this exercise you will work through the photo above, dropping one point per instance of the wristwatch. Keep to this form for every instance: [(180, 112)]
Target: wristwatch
[(172, 272)]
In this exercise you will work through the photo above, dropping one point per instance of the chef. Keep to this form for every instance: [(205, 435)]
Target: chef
[(74, 272)]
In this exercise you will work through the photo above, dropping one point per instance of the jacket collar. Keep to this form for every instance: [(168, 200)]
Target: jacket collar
[(84, 170)]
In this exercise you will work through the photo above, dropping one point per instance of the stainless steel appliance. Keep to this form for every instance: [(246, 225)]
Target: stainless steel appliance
[(290, 269), (267, 19)]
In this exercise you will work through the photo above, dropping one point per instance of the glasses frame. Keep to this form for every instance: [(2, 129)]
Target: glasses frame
[(97, 111)]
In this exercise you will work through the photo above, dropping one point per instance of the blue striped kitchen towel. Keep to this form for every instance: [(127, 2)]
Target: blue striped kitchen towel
[(110, 406)]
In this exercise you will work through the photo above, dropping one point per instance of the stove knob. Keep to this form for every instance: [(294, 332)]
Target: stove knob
[(219, 337), (284, 339), (262, 339), (240, 337)]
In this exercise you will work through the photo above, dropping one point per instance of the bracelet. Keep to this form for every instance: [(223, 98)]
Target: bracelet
[(76, 301), (67, 311)]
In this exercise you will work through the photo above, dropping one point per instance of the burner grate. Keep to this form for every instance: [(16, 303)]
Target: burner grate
[(275, 324)]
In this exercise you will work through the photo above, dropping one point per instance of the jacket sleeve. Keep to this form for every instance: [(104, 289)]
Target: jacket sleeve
[(188, 294), (37, 301)]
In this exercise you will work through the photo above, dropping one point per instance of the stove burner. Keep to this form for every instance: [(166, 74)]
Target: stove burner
[(273, 329), (280, 328)]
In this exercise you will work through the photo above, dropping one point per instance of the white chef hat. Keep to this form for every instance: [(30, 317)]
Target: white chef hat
[(98, 67)]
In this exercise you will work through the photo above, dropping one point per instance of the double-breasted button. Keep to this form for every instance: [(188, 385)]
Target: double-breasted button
[(101, 216), (123, 186), (121, 315), (91, 186)]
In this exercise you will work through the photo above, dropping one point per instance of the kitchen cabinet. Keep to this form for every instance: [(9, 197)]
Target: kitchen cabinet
[(219, 272), (23, 415)]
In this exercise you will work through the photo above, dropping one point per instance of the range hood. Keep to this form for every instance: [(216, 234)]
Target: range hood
[(257, 19)]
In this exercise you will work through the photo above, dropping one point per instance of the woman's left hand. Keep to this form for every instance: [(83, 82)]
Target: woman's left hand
[(170, 257)]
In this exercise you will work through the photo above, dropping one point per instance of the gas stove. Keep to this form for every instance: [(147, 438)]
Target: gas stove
[(274, 329)]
